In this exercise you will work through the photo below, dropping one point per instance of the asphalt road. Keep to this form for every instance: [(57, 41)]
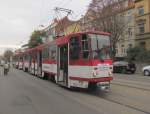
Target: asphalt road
[(22, 93)]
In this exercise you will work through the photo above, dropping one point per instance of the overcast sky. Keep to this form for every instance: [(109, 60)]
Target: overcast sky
[(18, 18)]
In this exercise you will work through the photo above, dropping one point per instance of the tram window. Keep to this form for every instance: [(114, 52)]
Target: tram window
[(53, 52), (74, 48), (85, 47), (21, 59), (45, 53), (50, 48), (26, 57)]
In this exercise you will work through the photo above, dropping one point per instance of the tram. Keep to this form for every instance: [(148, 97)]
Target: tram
[(77, 60)]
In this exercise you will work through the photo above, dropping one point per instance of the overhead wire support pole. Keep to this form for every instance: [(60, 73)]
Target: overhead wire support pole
[(57, 11), (64, 10)]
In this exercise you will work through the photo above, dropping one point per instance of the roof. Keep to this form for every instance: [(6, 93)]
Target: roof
[(65, 39)]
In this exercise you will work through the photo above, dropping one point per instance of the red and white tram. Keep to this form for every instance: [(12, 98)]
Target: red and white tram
[(77, 60), (18, 60)]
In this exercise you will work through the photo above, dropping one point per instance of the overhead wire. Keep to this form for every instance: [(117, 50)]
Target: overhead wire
[(41, 12), (77, 15), (58, 14)]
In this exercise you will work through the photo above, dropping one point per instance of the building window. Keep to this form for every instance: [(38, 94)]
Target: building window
[(122, 48), (116, 50), (124, 51), (130, 31), (130, 45), (141, 10), (142, 44), (141, 27)]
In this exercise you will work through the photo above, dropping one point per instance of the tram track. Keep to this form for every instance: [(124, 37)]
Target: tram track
[(129, 106), (131, 85), (143, 89), (103, 96)]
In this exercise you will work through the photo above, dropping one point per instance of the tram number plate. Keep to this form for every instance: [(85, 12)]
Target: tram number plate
[(103, 67), (102, 83)]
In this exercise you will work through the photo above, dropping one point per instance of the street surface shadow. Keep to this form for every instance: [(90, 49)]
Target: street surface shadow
[(98, 93)]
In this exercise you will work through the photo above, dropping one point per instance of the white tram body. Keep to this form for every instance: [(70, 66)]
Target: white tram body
[(20, 66)]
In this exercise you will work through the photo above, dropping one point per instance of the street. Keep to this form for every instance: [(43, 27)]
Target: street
[(22, 93)]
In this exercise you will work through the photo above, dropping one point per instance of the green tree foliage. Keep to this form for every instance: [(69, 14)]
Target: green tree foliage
[(7, 55), (138, 54), (36, 38)]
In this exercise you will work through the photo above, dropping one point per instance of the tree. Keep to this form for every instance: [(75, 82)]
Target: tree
[(138, 54), (7, 55), (107, 15), (36, 38)]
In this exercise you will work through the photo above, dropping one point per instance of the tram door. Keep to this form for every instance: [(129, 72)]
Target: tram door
[(30, 63), (39, 64), (62, 77)]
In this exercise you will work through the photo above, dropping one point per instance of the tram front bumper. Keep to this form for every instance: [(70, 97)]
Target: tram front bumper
[(93, 80), (103, 85)]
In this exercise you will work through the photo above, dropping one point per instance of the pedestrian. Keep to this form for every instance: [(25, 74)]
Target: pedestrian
[(6, 68)]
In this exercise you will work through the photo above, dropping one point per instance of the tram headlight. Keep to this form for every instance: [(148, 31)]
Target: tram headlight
[(110, 73), (95, 72), (110, 67)]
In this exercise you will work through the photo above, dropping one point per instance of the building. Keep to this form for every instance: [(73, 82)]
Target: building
[(128, 37), (102, 19), (60, 28), (50, 31), (73, 28), (142, 20)]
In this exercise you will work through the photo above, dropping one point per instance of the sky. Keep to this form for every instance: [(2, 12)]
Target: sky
[(19, 18)]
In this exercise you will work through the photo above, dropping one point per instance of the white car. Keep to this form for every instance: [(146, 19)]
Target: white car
[(146, 70)]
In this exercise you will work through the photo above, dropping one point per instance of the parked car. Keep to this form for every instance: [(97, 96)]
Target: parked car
[(146, 70), (124, 67)]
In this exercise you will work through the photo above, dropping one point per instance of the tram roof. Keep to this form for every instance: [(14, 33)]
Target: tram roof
[(64, 39)]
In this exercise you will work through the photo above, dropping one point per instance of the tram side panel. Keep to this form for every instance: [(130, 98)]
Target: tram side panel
[(26, 63), (49, 64)]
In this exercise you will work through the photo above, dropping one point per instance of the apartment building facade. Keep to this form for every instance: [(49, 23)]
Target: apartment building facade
[(142, 23), (128, 36)]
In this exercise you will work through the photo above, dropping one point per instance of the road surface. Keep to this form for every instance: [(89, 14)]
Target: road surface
[(22, 93)]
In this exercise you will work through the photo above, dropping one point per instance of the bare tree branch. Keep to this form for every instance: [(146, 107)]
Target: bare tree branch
[(107, 15)]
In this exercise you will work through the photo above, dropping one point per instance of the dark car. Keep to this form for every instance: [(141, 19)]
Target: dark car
[(124, 67)]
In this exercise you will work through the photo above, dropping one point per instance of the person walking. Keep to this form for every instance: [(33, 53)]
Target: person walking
[(6, 68)]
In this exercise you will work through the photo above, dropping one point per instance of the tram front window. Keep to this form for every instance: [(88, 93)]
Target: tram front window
[(100, 46)]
